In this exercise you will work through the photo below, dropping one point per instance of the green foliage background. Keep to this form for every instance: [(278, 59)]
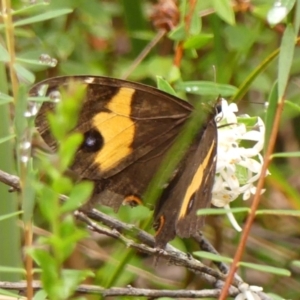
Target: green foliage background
[(223, 46)]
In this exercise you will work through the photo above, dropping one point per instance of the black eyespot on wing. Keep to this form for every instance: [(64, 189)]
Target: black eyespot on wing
[(92, 141)]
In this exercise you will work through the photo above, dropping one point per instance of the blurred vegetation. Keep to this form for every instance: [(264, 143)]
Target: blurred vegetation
[(224, 44)]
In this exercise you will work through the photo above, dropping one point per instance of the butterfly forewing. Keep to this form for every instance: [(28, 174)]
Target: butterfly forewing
[(128, 129)]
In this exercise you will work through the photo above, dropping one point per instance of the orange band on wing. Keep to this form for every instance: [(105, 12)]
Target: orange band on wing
[(196, 182)]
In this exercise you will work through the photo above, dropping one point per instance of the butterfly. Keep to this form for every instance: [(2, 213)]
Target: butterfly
[(127, 130)]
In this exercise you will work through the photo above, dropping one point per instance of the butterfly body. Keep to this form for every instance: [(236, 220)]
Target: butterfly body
[(128, 128)]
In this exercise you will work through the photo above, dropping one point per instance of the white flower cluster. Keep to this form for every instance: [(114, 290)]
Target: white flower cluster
[(237, 167), (248, 292)]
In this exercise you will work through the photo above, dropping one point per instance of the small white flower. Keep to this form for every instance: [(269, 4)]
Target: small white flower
[(238, 168), (277, 13), (248, 292)]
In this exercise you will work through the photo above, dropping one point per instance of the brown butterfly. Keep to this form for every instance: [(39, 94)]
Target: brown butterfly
[(128, 129)]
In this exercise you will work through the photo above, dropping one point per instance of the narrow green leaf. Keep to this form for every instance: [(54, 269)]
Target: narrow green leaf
[(78, 196), (4, 56), (280, 212), (197, 41), (5, 269), (266, 269), (24, 73), (44, 16), (297, 16), (68, 148), (214, 257), (221, 211), (71, 280), (286, 154), (243, 88), (164, 85), (262, 268), (296, 263), (40, 295), (10, 294), (292, 105), (10, 215), (285, 59), (33, 62), (207, 88), (196, 23), (224, 10), (30, 9), (174, 74), (178, 33), (270, 114), (4, 99), (7, 138)]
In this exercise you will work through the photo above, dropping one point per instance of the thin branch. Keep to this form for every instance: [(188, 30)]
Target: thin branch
[(170, 253), (10, 180), (127, 291)]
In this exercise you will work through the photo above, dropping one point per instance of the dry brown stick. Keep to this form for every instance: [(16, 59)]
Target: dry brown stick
[(127, 291)]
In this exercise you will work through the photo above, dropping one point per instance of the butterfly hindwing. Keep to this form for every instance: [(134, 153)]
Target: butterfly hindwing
[(190, 190)]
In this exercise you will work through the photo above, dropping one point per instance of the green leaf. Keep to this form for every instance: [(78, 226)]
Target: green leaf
[(29, 192), (65, 117), (221, 211), (49, 274), (20, 121), (213, 257), (33, 62), (292, 105), (30, 9), (7, 138), (11, 295), (286, 154), (279, 212), (66, 240), (68, 149), (196, 23), (296, 263), (174, 74), (285, 59), (40, 295), (297, 17), (5, 269), (78, 196), (178, 34), (4, 55), (198, 41), (262, 268), (4, 217), (4, 99), (165, 86), (24, 73), (207, 88), (266, 269), (270, 114), (48, 204), (44, 16), (62, 185), (224, 10), (71, 280)]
